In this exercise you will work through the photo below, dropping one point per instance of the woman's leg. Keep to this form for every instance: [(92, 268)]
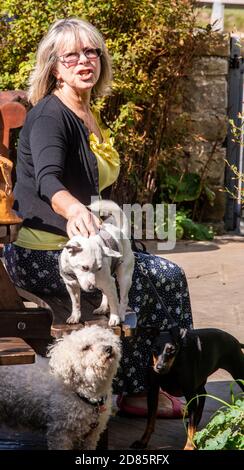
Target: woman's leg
[(171, 284), (36, 271)]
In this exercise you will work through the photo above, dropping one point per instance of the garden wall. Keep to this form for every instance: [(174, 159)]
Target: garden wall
[(205, 102)]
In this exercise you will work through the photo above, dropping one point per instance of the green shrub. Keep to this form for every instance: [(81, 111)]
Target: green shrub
[(153, 44), (225, 431), (186, 228)]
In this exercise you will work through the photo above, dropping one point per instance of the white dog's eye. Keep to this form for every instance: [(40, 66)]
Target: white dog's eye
[(86, 348), (85, 268)]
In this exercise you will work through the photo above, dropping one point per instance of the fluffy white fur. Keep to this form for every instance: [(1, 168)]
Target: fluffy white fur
[(86, 263), (44, 396)]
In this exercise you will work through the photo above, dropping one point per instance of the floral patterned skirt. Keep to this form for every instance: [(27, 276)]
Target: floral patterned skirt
[(37, 271)]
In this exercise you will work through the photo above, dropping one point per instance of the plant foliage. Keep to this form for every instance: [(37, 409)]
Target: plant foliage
[(225, 431), (152, 43), (237, 133), (187, 228)]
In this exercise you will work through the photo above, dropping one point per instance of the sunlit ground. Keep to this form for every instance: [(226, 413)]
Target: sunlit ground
[(233, 18)]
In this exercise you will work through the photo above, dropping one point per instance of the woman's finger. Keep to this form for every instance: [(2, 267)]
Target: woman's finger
[(76, 226), (83, 223), (92, 223)]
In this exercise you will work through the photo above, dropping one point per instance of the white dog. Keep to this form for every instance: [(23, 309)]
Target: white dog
[(86, 263), (68, 396)]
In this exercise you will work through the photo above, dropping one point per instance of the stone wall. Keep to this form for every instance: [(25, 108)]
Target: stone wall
[(205, 102)]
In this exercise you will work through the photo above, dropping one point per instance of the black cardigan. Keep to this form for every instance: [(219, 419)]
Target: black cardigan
[(53, 155)]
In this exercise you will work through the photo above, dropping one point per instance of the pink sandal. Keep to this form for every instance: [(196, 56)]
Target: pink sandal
[(176, 412)]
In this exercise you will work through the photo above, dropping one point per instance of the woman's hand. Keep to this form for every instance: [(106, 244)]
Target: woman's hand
[(80, 221), (83, 223)]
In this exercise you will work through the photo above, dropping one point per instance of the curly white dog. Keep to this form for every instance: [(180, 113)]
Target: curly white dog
[(70, 395)]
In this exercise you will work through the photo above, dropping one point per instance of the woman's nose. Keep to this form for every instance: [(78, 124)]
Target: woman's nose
[(83, 57)]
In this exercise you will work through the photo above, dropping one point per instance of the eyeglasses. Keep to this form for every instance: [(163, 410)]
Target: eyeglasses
[(72, 58)]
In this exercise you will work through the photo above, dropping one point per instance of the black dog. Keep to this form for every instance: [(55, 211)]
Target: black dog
[(181, 367)]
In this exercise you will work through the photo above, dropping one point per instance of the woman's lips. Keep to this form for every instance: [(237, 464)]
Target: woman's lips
[(86, 74)]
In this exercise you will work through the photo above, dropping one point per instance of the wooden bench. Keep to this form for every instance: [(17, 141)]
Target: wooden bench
[(24, 328), (39, 320), (15, 351), (61, 310)]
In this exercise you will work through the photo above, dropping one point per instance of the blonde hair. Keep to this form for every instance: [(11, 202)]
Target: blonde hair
[(62, 32)]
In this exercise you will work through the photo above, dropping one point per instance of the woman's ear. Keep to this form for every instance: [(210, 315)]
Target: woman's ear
[(56, 74), (57, 77)]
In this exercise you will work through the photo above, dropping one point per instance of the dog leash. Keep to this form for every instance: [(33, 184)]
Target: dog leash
[(174, 327)]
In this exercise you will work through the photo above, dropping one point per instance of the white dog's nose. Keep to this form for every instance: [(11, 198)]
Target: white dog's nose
[(108, 349)]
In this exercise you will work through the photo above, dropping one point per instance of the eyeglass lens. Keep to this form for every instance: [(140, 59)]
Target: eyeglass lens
[(73, 57)]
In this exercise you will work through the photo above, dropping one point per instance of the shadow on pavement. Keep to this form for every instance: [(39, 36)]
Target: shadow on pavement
[(169, 433), (188, 246)]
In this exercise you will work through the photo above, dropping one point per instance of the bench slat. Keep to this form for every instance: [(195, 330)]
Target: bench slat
[(29, 323), (15, 351)]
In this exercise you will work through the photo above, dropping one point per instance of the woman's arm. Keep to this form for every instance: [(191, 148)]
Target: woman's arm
[(80, 219), (49, 146)]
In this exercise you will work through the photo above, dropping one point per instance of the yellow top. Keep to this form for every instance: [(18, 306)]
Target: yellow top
[(34, 239), (107, 159), (108, 163)]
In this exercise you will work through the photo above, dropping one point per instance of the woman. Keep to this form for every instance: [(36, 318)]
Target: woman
[(65, 156)]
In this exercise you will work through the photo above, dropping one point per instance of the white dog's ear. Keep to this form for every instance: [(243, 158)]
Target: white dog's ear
[(109, 252), (73, 248)]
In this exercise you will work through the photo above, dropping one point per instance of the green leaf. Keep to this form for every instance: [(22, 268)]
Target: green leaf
[(196, 231), (183, 188), (149, 41), (225, 430)]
